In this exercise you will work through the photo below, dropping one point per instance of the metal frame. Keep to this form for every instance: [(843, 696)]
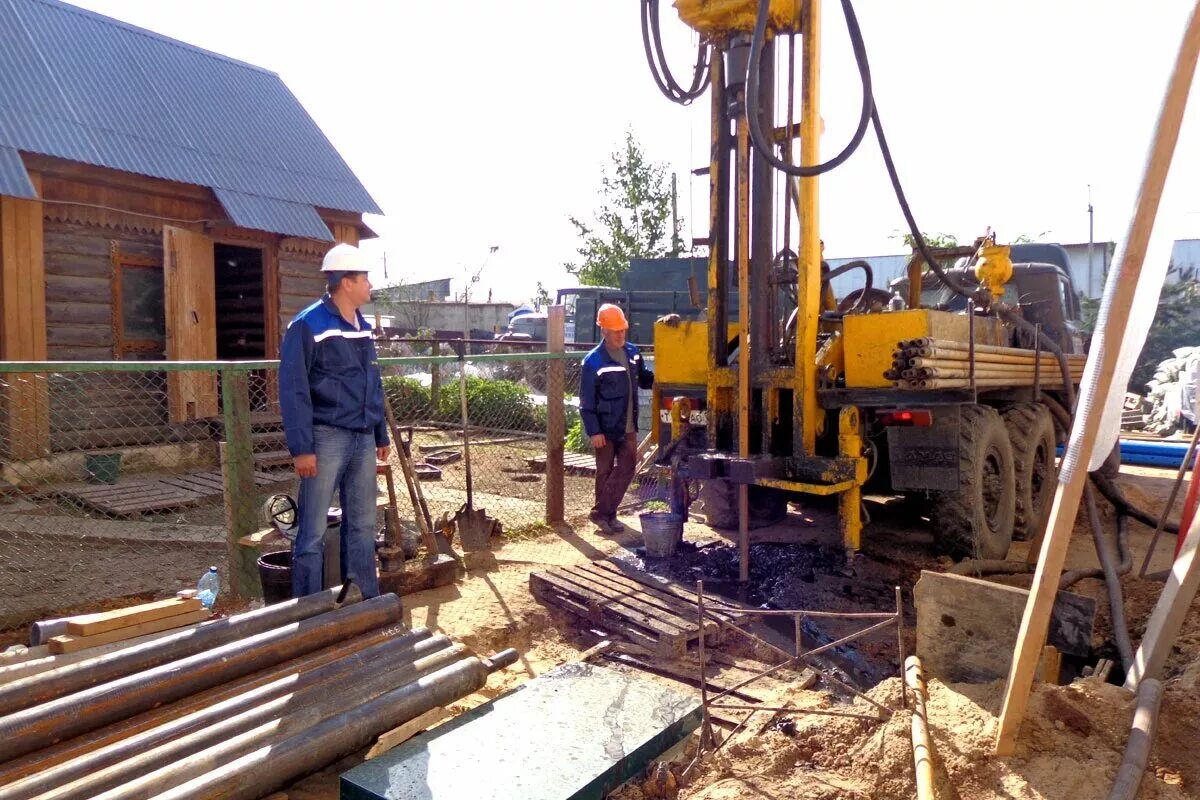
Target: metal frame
[(882, 620)]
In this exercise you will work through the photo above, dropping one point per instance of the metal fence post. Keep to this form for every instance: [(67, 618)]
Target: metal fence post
[(237, 468), (556, 421)]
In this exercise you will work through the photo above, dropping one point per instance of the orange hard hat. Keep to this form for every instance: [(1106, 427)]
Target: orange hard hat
[(611, 318)]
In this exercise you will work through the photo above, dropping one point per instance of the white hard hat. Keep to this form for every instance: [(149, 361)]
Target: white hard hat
[(344, 258)]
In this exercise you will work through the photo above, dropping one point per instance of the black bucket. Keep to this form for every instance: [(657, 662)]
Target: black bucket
[(275, 572)]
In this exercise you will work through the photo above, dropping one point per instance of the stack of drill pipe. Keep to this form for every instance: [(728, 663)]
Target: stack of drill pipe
[(940, 364), (308, 682)]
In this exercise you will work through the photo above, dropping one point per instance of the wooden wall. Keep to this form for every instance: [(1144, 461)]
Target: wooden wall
[(79, 301), (300, 278)]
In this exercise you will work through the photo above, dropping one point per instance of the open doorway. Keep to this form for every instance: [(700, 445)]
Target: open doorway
[(238, 274)]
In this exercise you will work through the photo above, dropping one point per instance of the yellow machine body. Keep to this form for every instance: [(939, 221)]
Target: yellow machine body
[(994, 268), (718, 17), (681, 352), (869, 341)]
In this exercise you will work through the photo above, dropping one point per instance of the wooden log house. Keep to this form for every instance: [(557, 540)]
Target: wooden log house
[(157, 201)]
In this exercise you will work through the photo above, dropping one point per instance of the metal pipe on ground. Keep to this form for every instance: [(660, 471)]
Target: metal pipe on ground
[(1141, 740), (280, 759), (55, 683), (33, 728), (149, 771), (75, 748), (208, 721), (922, 749)]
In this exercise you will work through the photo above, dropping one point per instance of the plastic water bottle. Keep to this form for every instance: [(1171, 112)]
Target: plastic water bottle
[(208, 587)]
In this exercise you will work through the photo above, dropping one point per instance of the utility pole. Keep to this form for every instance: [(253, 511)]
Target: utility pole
[(1092, 291), (675, 243)]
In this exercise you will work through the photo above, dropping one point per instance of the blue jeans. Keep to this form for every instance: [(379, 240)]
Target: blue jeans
[(345, 464)]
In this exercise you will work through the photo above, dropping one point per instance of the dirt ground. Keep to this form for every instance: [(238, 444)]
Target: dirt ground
[(1069, 747)]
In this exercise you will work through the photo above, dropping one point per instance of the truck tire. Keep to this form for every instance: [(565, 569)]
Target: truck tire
[(976, 520), (1031, 434), (719, 499)]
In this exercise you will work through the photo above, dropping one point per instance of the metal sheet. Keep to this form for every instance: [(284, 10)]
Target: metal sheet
[(275, 216), (587, 729), (84, 87), (14, 180)]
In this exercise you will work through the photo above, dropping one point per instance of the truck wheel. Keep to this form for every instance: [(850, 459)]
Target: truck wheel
[(1031, 434), (719, 498), (976, 520)]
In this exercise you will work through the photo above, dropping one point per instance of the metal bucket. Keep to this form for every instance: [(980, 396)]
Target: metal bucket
[(661, 532)]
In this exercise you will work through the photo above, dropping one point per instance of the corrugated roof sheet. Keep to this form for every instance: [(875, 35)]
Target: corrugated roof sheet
[(14, 180), (84, 87), (277, 216)]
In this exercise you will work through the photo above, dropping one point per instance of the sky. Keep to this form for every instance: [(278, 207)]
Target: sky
[(482, 124)]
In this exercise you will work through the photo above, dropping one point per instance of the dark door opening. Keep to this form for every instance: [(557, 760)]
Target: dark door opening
[(240, 307)]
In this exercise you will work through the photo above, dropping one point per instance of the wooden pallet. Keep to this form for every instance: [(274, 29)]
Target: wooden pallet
[(159, 494), (659, 615), (578, 464)]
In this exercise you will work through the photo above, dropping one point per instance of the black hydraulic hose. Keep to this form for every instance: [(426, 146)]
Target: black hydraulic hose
[(1112, 580), (1113, 494), (868, 273), (656, 59), (762, 144)]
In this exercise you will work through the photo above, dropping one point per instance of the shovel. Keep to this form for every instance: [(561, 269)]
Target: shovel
[(475, 527), (435, 541)]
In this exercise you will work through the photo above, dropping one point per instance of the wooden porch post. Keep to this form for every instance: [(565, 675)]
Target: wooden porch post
[(23, 324)]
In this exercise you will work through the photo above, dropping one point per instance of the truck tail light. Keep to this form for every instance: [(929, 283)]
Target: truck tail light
[(909, 417)]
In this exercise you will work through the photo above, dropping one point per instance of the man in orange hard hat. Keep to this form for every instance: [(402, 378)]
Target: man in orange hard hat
[(608, 404)]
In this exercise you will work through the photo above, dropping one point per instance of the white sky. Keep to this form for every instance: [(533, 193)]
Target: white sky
[(481, 123)]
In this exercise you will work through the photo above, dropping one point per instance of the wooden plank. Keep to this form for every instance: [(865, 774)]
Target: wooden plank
[(93, 624), (237, 467), (669, 607), (71, 644), (1166, 620), (190, 297), (1120, 292), (548, 590), (683, 606), (673, 589), (603, 605), (556, 421), (631, 599), (399, 735)]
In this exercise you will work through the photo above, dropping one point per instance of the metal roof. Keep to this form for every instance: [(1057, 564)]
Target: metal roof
[(14, 180), (85, 87)]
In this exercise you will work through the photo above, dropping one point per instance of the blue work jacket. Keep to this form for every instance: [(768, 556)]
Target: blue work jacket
[(604, 390), (329, 375)]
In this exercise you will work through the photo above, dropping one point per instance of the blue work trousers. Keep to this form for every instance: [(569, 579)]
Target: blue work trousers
[(346, 464)]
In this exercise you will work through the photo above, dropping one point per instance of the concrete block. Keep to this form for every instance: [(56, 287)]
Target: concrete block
[(967, 627), (578, 731)]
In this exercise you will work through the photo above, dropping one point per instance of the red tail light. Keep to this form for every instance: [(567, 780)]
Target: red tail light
[(909, 417)]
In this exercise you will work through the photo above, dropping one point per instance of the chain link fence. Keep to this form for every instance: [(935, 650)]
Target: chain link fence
[(132, 478)]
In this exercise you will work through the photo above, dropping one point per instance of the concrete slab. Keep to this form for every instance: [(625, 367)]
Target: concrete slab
[(967, 627), (578, 731)]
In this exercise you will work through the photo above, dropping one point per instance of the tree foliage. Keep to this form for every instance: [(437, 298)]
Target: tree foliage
[(633, 220), (1176, 324)]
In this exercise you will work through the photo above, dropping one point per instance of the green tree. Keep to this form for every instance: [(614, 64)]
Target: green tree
[(1176, 324), (633, 221), (541, 297)]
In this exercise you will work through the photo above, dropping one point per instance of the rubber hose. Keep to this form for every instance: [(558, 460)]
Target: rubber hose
[(1141, 741), (868, 279), (1112, 580), (1112, 493)]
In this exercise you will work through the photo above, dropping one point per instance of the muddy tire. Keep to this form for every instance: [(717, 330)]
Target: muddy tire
[(1031, 434), (719, 500), (976, 520)]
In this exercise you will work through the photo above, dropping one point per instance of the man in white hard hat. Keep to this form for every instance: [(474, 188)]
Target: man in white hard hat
[(331, 396)]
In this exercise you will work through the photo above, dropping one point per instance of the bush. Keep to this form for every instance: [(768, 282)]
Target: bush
[(490, 404), (410, 400)]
